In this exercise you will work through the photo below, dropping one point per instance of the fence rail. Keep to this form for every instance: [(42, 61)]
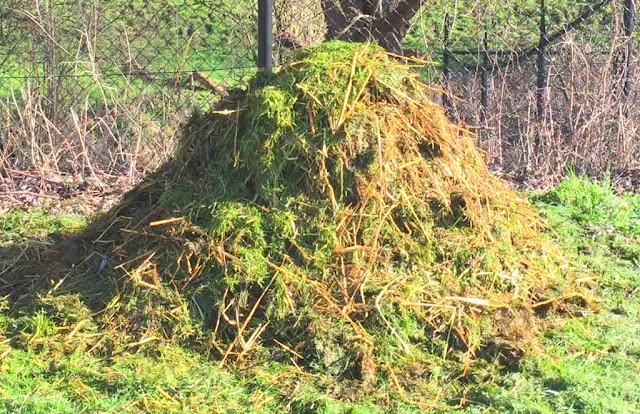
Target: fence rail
[(102, 85)]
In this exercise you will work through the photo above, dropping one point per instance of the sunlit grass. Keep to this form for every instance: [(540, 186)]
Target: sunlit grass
[(589, 364)]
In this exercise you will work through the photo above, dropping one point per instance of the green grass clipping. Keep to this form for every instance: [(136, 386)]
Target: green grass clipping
[(331, 217)]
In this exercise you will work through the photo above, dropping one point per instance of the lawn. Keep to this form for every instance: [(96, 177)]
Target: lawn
[(588, 362)]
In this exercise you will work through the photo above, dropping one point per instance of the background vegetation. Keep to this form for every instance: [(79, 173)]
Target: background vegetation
[(101, 86)]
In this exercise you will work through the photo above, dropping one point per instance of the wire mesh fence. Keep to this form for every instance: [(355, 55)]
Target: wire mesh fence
[(103, 84), (545, 83)]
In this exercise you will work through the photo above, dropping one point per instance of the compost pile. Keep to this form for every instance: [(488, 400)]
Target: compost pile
[(333, 217)]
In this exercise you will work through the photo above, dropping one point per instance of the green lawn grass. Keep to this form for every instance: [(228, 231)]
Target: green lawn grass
[(589, 363)]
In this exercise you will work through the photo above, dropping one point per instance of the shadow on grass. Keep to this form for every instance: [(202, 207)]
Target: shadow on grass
[(59, 262), (67, 276)]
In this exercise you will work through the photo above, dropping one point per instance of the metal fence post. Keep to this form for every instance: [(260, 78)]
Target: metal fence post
[(265, 34), (484, 84), (447, 102), (541, 65), (629, 21)]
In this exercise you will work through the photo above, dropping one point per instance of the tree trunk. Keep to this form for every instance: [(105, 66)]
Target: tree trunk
[(385, 22)]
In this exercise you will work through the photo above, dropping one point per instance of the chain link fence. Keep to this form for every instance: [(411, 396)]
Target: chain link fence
[(103, 85), (545, 84)]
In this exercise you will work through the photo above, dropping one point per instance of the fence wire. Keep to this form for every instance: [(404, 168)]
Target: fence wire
[(105, 83), (69, 49), (544, 83)]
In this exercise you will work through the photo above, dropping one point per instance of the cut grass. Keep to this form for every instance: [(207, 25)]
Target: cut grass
[(327, 232), (331, 211), (590, 362), (35, 229), (18, 225)]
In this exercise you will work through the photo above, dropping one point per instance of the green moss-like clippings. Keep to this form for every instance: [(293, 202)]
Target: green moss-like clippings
[(333, 215)]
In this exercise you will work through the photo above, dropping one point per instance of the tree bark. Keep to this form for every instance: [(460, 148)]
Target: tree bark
[(385, 22)]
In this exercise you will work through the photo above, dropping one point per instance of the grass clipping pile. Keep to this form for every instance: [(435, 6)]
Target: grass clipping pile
[(333, 215)]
